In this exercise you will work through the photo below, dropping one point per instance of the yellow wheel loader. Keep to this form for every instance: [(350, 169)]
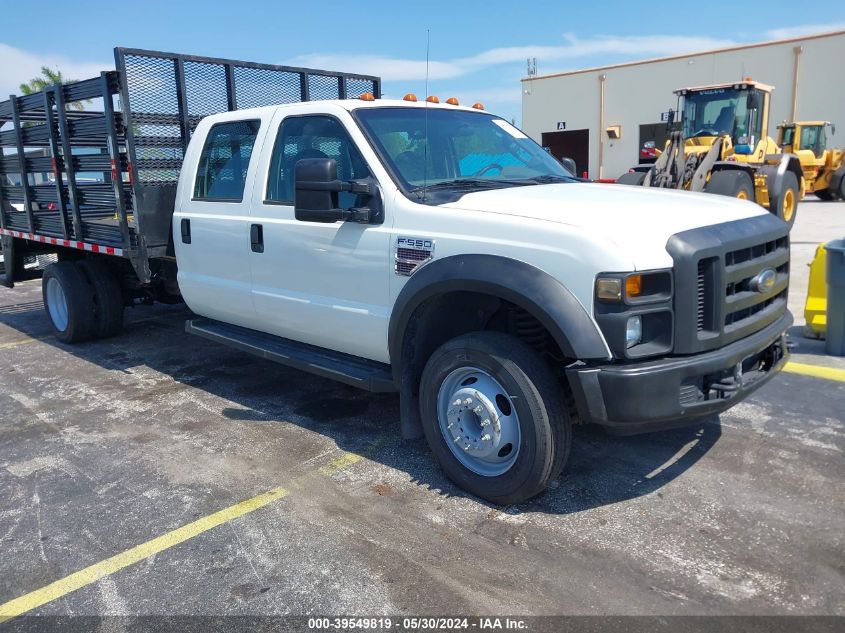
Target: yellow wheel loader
[(722, 146), (824, 169)]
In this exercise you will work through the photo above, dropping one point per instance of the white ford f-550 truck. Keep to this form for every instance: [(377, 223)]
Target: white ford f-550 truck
[(424, 248)]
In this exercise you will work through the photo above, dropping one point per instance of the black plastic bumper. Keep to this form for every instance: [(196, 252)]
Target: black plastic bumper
[(670, 392)]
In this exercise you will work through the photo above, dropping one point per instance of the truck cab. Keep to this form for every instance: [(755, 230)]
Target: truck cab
[(436, 250)]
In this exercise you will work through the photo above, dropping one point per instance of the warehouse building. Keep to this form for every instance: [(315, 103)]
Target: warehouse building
[(602, 117)]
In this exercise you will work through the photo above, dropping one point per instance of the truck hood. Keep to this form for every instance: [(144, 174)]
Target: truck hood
[(638, 220)]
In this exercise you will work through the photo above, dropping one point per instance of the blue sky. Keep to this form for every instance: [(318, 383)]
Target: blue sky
[(478, 50)]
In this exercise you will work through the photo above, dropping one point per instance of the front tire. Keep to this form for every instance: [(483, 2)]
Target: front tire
[(494, 417), (631, 178), (736, 184), (69, 301)]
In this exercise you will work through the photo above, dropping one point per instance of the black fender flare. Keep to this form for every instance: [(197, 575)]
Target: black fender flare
[(526, 286)]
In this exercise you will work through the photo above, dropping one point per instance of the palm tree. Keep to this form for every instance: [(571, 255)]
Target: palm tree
[(48, 78)]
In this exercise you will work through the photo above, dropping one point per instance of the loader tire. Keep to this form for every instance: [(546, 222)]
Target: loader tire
[(787, 200), (825, 195), (631, 178), (736, 184)]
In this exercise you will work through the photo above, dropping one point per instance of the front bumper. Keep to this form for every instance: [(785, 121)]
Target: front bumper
[(670, 392)]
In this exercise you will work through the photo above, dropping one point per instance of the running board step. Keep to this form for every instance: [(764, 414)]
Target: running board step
[(358, 372)]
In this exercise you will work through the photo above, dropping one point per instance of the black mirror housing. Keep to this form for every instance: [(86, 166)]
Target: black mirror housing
[(316, 189), (569, 165), (314, 199)]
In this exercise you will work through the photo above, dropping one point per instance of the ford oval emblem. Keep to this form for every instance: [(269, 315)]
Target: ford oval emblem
[(764, 281)]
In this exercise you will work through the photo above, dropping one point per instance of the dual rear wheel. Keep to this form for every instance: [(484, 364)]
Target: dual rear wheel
[(83, 300)]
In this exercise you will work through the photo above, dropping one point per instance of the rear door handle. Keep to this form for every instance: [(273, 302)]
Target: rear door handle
[(256, 238), (185, 224)]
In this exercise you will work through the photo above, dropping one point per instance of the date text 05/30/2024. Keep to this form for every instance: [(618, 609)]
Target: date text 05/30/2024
[(416, 623)]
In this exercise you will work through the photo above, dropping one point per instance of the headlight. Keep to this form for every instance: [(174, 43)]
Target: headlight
[(634, 288), (633, 331), (635, 312)]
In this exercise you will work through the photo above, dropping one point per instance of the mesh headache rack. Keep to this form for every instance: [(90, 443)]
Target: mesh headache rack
[(94, 164)]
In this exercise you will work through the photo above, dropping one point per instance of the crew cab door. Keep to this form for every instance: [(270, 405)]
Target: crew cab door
[(318, 283), (211, 219)]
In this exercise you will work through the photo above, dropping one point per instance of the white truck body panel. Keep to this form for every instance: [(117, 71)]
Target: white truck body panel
[(333, 285)]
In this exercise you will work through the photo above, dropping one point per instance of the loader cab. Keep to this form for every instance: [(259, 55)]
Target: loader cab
[(738, 111), (804, 135)]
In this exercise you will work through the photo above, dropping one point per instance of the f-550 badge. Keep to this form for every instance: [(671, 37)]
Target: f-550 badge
[(411, 253)]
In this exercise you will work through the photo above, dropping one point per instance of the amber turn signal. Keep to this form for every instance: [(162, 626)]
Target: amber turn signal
[(633, 285)]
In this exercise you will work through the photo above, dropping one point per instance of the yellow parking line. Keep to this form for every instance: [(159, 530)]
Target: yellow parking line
[(95, 572), (816, 371), (22, 341)]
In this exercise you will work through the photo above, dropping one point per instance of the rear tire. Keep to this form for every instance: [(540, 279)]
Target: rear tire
[(69, 302), (736, 184), (787, 201), (108, 297), (493, 378), (632, 178)]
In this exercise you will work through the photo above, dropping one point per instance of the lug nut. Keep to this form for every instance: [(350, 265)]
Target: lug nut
[(468, 401), (479, 410), (485, 422), (485, 437)]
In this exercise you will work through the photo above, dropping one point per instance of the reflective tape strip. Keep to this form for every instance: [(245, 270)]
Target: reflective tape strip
[(58, 241)]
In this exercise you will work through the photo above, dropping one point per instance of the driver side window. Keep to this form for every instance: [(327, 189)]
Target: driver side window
[(303, 137)]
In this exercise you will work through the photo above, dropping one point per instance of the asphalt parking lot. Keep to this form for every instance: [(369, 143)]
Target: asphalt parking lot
[(107, 446)]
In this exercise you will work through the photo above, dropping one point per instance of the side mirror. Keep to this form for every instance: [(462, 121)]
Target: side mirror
[(569, 165), (753, 102), (316, 190)]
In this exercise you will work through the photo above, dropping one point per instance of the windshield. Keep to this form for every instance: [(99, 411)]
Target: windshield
[(465, 149), (719, 111)]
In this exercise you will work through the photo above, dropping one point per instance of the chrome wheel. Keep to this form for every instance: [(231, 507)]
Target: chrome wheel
[(57, 304), (478, 421)]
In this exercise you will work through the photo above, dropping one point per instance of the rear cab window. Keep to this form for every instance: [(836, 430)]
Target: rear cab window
[(223, 164)]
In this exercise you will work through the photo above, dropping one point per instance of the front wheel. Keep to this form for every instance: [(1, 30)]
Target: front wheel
[(631, 178), (494, 416), (733, 183)]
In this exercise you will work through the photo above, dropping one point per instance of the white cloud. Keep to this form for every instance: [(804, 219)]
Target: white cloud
[(20, 66), (800, 31), (393, 68)]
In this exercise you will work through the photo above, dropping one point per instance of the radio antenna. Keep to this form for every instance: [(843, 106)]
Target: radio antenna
[(425, 115)]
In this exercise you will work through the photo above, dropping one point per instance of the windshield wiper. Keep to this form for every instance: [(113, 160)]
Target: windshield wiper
[(552, 178), (469, 183)]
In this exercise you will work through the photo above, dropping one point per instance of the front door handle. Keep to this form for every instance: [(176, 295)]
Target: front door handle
[(185, 225), (256, 238)]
